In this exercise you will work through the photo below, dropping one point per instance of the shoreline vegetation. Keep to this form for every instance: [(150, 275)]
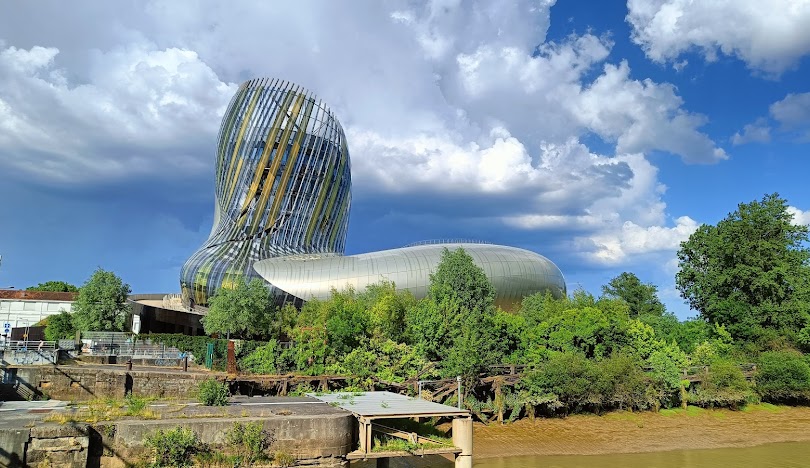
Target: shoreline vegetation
[(748, 277), (643, 432)]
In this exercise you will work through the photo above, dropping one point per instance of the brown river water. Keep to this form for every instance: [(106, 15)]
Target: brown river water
[(762, 436), (778, 455)]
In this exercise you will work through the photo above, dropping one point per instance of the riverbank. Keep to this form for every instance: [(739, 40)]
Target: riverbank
[(624, 432)]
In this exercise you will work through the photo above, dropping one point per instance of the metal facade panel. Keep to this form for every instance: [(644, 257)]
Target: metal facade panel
[(283, 186), (314, 277)]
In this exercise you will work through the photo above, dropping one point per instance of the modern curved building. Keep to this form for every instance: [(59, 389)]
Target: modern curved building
[(283, 186), (515, 273), (281, 210)]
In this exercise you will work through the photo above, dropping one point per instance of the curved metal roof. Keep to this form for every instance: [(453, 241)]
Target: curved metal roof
[(515, 273)]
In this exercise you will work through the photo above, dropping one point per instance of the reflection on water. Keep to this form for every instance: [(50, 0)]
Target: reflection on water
[(782, 455)]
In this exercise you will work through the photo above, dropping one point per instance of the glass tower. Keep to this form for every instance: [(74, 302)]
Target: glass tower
[(283, 186)]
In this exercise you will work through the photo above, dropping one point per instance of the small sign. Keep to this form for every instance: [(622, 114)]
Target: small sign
[(6, 325)]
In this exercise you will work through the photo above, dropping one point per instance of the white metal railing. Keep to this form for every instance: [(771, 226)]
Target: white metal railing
[(28, 345)]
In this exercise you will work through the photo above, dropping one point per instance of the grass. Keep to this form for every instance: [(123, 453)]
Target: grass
[(107, 409), (762, 407), (395, 444), (689, 411)]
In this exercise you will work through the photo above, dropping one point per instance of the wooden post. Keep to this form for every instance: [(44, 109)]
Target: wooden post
[(365, 435), (498, 399)]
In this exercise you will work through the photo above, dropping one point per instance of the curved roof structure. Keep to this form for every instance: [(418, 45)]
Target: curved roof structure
[(283, 185), (515, 273)]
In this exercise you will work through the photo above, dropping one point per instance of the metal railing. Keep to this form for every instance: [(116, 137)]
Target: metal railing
[(448, 241), (20, 345)]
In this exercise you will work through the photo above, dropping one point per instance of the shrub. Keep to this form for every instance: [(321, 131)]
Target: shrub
[(173, 447), (283, 459), (722, 385), (250, 442), (213, 393), (262, 360), (783, 377)]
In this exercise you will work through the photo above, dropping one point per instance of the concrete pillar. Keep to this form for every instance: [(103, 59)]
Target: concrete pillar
[(463, 439)]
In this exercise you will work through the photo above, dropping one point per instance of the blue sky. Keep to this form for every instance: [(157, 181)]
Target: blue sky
[(599, 134)]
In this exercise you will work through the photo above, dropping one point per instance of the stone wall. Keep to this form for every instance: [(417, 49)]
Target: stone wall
[(78, 384), (45, 445)]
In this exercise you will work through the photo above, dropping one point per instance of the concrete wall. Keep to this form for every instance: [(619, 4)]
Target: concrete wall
[(305, 437), (77, 384)]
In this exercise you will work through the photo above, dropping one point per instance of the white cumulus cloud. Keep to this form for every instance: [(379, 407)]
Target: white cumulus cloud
[(770, 36)]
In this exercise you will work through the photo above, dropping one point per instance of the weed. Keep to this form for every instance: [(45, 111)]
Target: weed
[(250, 442), (283, 459), (213, 393), (173, 447)]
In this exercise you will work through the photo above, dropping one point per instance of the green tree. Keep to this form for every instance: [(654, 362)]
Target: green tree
[(783, 377), (54, 286), (454, 321), (246, 310), (642, 298), (102, 303), (749, 272), (60, 326)]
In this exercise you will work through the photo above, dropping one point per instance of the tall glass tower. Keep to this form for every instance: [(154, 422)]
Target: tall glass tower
[(283, 186)]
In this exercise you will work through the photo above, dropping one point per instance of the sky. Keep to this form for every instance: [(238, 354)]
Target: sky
[(598, 134)]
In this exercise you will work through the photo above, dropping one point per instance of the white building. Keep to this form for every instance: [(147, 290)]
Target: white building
[(26, 308)]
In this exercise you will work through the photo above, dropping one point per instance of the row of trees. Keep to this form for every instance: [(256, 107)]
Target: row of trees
[(747, 277)]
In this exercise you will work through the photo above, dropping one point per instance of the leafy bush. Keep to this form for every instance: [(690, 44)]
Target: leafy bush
[(173, 447), (723, 384), (783, 377), (213, 393), (262, 360), (622, 384), (60, 326), (567, 379), (250, 442)]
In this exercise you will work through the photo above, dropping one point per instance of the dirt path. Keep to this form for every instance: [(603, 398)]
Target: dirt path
[(644, 432)]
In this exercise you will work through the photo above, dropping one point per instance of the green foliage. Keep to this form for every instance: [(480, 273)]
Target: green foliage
[(565, 380), (246, 309), (101, 304), (750, 272), (60, 326), (383, 359), (135, 405), (250, 442), (387, 310), (213, 393), (54, 286), (622, 384), (173, 447), (593, 331), (454, 322), (723, 384), (263, 360), (783, 377), (641, 298)]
